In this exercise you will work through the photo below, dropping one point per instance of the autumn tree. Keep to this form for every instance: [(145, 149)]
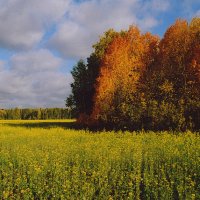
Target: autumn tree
[(134, 80), (85, 76), (173, 83), (118, 99)]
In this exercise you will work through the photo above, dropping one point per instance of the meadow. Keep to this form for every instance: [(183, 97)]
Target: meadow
[(50, 160)]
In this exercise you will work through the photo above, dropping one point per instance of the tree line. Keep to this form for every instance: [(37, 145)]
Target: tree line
[(136, 80), (36, 114)]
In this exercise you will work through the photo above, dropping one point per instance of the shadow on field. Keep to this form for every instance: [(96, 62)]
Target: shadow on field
[(57, 124), (73, 125), (66, 125)]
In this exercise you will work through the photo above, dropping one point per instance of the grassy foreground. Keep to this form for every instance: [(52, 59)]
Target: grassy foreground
[(61, 163)]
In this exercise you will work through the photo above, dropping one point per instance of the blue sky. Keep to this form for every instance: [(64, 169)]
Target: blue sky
[(40, 41)]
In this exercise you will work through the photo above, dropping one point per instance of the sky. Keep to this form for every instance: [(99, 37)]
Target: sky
[(41, 40)]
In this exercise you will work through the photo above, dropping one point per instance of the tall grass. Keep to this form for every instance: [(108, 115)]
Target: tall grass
[(57, 163)]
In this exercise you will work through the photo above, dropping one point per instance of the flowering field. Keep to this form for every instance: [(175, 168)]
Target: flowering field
[(61, 163)]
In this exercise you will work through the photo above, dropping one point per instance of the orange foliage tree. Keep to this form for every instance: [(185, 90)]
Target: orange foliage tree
[(137, 81), (125, 62), (173, 84)]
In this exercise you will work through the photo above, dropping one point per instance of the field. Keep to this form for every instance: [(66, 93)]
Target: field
[(48, 160)]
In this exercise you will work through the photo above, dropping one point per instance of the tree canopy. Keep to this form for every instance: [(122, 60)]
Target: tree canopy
[(136, 80)]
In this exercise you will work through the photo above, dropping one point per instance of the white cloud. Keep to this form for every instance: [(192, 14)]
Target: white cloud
[(80, 24), (35, 62), (148, 23), (89, 19), (23, 23), (159, 5), (2, 65), (34, 80), (197, 14), (72, 40), (32, 77)]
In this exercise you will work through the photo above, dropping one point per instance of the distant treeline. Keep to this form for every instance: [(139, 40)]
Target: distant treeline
[(36, 113)]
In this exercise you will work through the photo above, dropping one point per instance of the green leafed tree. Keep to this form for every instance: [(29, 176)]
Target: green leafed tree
[(79, 87)]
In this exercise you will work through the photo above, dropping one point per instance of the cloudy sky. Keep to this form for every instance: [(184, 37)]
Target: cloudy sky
[(41, 40)]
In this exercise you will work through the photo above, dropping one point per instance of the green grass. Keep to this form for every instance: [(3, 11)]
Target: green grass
[(61, 163)]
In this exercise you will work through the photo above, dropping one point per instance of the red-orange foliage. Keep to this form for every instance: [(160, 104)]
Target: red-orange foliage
[(174, 81), (124, 63), (194, 62), (179, 58), (145, 82)]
